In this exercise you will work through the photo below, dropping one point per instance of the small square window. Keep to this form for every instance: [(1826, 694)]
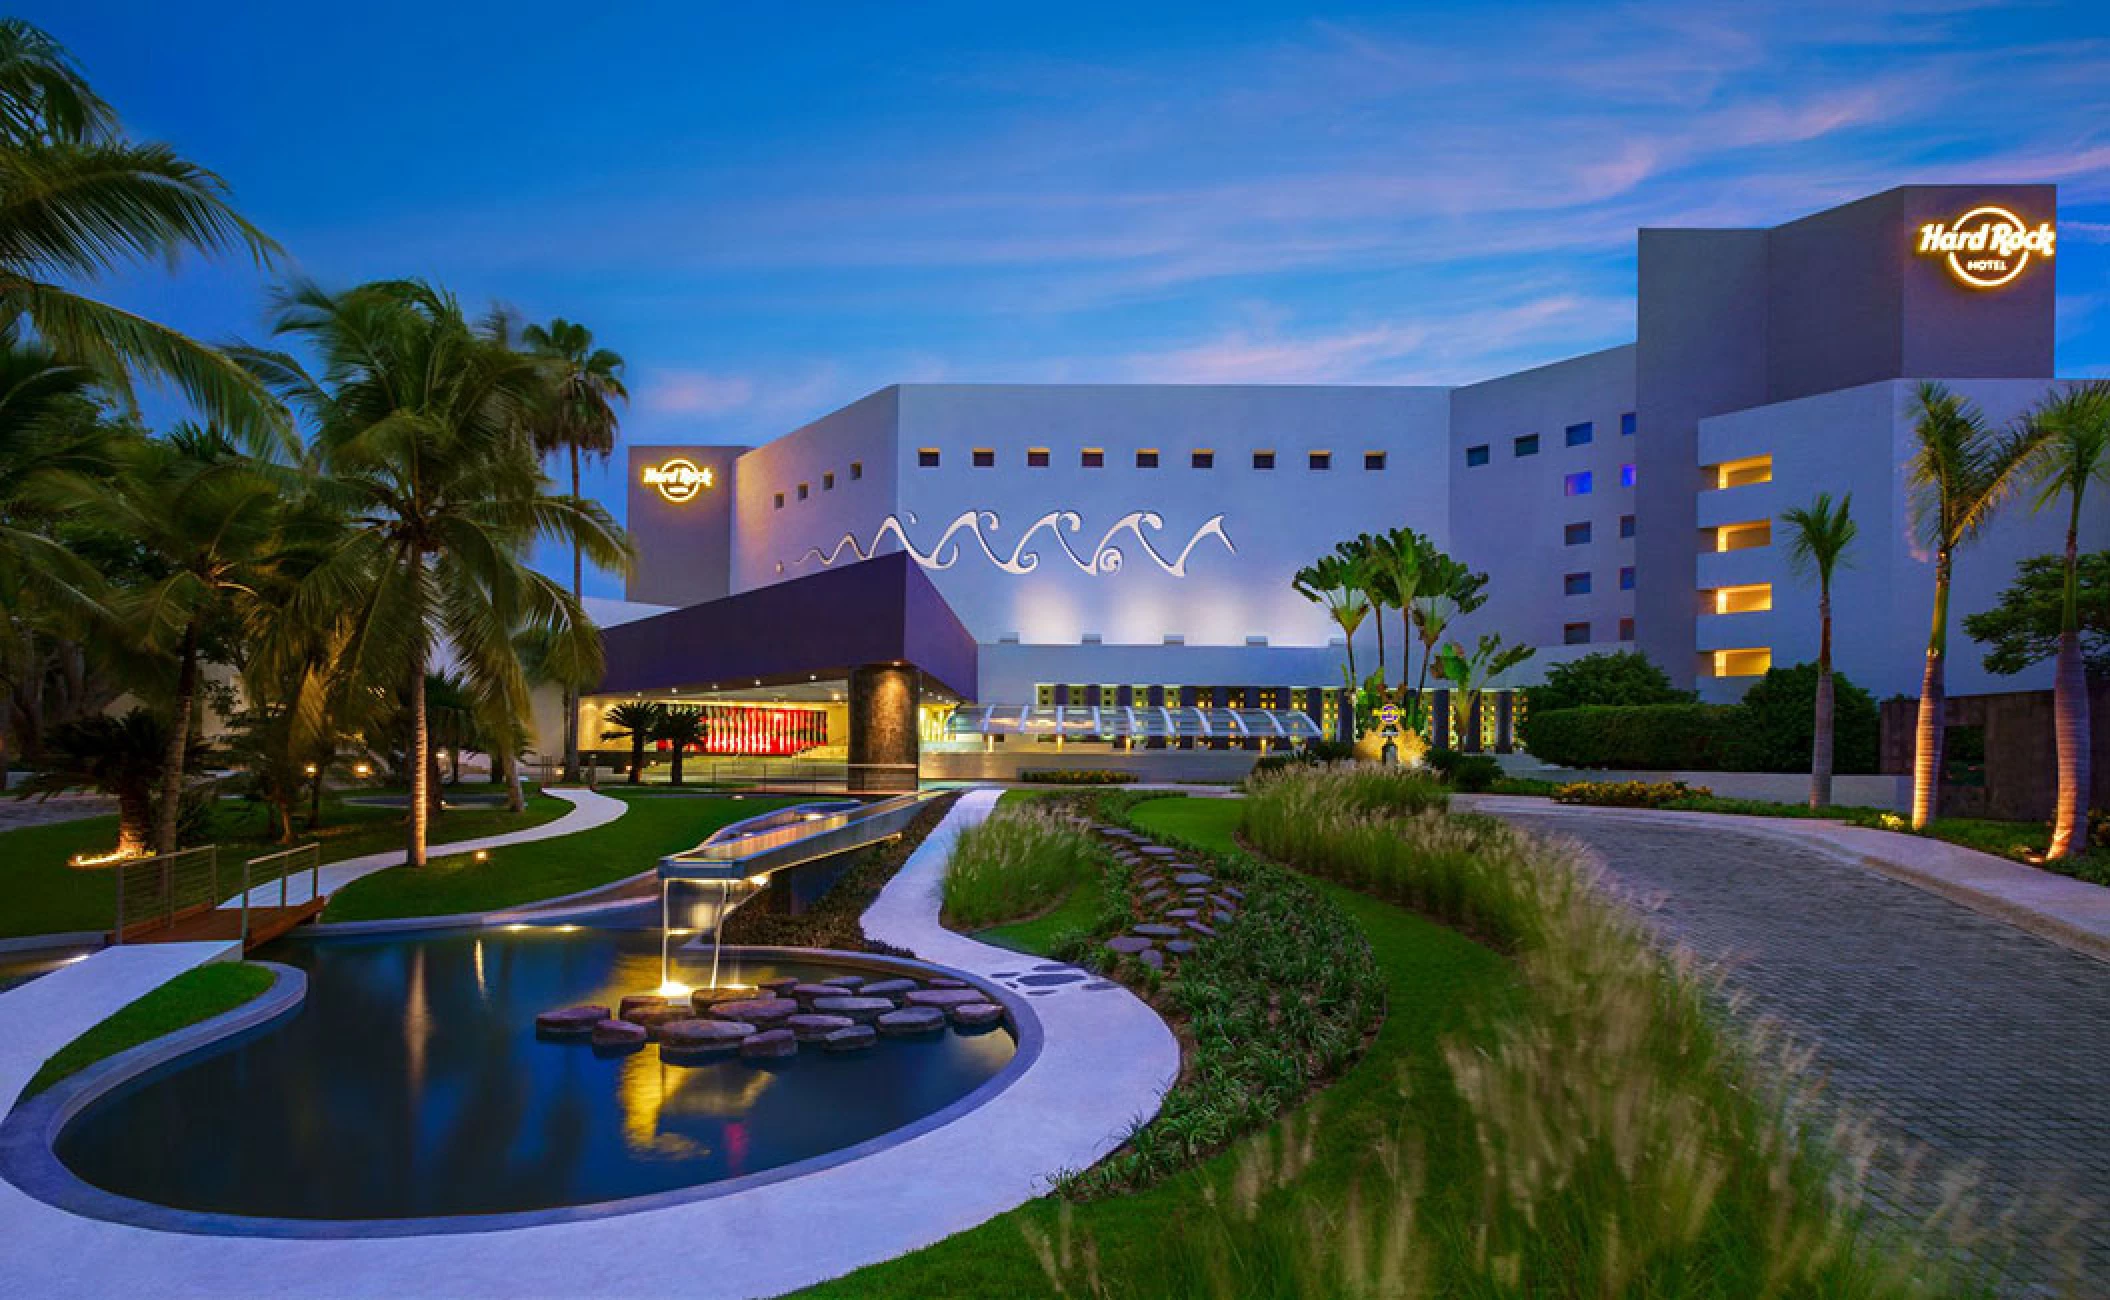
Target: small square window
[(1036, 458), (1147, 458), (1373, 460), (1263, 460), (1093, 458), (780, 500), (857, 470), (1528, 445), (927, 457), (1626, 578), (1627, 425), (985, 458), (1320, 460), (1626, 476), (1202, 460), (1575, 634), (1576, 534), (1580, 434), (1575, 584), (1626, 525), (828, 481), (1626, 629), (804, 491), (1576, 484), (1475, 456)]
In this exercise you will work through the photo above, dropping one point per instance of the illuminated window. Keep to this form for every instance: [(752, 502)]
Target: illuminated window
[(1626, 578), (1373, 460), (1627, 425), (1576, 484), (1202, 460), (927, 457), (1575, 634), (1744, 537), (1626, 476), (1741, 473), (780, 500), (1626, 629), (804, 492), (1580, 434), (1093, 458), (984, 458), (1475, 456), (1743, 663), (1147, 458), (1528, 445), (1036, 458), (1575, 584), (1626, 525), (1320, 460), (1756, 598), (857, 470), (828, 481), (1576, 534), (1263, 460)]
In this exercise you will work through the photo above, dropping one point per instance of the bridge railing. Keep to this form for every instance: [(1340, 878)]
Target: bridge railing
[(282, 867), (155, 892)]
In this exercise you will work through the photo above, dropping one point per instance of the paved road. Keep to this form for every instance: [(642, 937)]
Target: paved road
[(1955, 1033)]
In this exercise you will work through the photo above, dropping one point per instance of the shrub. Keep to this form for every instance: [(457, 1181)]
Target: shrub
[(1623, 678), (1018, 861), (1651, 737), (1629, 794), (1076, 776), (1366, 787), (1472, 773), (1779, 719)]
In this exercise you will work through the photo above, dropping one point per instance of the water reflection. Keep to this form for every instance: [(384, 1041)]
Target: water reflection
[(411, 1083)]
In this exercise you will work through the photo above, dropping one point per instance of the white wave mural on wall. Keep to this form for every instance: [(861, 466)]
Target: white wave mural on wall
[(980, 527)]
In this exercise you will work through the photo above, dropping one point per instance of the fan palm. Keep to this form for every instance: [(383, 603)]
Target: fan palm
[(679, 728), (577, 417), (416, 419), (1818, 537), (119, 755), (636, 721), (2067, 441), (1958, 474), (1337, 583)]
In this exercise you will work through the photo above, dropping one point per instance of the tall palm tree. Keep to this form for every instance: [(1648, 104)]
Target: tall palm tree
[(680, 727), (1958, 475), (2067, 437), (1337, 583), (1448, 588), (1818, 536), (578, 418), (1364, 560), (636, 721), (77, 201), (417, 418)]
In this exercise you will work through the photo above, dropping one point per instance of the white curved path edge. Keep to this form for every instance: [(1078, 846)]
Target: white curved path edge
[(1106, 1062)]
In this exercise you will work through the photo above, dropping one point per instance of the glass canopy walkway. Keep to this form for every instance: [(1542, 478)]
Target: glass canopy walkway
[(1131, 722)]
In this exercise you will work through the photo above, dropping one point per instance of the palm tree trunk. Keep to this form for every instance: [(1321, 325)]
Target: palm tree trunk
[(516, 797), (2069, 709), (677, 765), (1377, 611), (421, 784), (178, 743), (637, 760), (135, 818), (1928, 733), (571, 691), (1821, 741)]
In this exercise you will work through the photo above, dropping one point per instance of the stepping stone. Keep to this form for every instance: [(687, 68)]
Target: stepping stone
[(846, 981), (1157, 931), (1129, 943), (570, 1022), (701, 999), (813, 1028), (1184, 913), (888, 988), (682, 1039), (974, 1015), (757, 1011), (1233, 891), (769, 1045), (1222, 917), (860, 1009), (1193, 878), (635, 1002), (911, 1020), (1152, 958), (1201, 929), (1052, 979), (1160, 851), (618, 1036), (935, 998), (1179, 947), (653, 1017), (780, 985), (808, 992), (945, 982), (851, 1039)]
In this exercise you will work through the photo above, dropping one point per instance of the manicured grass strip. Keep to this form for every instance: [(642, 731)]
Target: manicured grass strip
[(45, 896), (1149, 1243), (1073, 915), (526, 873), (194, 996)]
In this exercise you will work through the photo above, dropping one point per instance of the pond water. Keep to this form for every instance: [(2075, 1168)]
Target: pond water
[(411, 1083)]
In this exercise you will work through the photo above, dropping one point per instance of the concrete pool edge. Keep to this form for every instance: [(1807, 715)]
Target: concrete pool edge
[(29, 1133)]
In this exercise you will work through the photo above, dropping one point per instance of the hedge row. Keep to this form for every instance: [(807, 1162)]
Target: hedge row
[(1770, 731)]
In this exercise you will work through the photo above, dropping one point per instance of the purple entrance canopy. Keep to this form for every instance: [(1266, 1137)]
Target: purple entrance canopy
[(878, 611)]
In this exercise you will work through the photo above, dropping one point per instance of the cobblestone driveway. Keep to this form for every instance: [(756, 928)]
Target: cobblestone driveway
[(1952, 1031)]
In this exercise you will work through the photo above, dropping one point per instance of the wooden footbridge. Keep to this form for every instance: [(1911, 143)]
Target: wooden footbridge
[(185, 896)]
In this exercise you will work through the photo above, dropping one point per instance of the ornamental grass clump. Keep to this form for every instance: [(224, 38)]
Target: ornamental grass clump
[(1018, 862)]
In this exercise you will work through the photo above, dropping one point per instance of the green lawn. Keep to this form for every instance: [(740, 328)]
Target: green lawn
[(1157, 1242), (191, 997), (655, 826), (1077, 910), (40, 894)]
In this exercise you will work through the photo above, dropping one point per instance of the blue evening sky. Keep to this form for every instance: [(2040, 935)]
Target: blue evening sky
[(772, 209)]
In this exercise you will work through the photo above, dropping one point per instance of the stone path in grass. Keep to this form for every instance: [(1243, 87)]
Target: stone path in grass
[(1958, 1035), (1182, 906)]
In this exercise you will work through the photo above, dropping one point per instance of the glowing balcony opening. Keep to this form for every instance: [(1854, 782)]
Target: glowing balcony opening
[(1743, 473), (1743, 663), (1753, 599), (1744, 537)]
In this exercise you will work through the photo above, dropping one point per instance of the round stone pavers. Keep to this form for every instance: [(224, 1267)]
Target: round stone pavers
[(856, 1008), (911, 1020), (570, 1022)]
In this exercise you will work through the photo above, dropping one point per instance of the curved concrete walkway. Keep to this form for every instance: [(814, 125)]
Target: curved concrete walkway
[(1105, 1064)]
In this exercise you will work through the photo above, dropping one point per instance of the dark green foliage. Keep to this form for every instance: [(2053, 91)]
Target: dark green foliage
[(1471, 773), (1076, 776), (1652, 737), (1780, 718), (2023, 629), (1625, 677)]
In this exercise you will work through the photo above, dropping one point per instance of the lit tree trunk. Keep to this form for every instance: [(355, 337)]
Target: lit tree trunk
[(516, 798), (571, 690), (1821, 742), (1928, 734), (135, 819), (2069, 707), (178, 743), (421, 783)]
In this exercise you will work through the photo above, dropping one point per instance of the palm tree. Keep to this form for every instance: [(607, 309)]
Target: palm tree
[(680, 728), (1958, 474), (1337, 583), (118, 755), (77, 202), (1468, 672), (417, 418), (2068, 440), (1818, 535), (578, 417), (636, 721), (1447, 589)]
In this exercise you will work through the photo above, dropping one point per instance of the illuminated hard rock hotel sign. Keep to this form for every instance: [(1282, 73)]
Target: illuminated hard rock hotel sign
[(1988, 246), (678, 479)]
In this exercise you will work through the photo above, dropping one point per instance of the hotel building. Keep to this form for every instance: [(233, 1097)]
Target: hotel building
[(1129, 549)]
